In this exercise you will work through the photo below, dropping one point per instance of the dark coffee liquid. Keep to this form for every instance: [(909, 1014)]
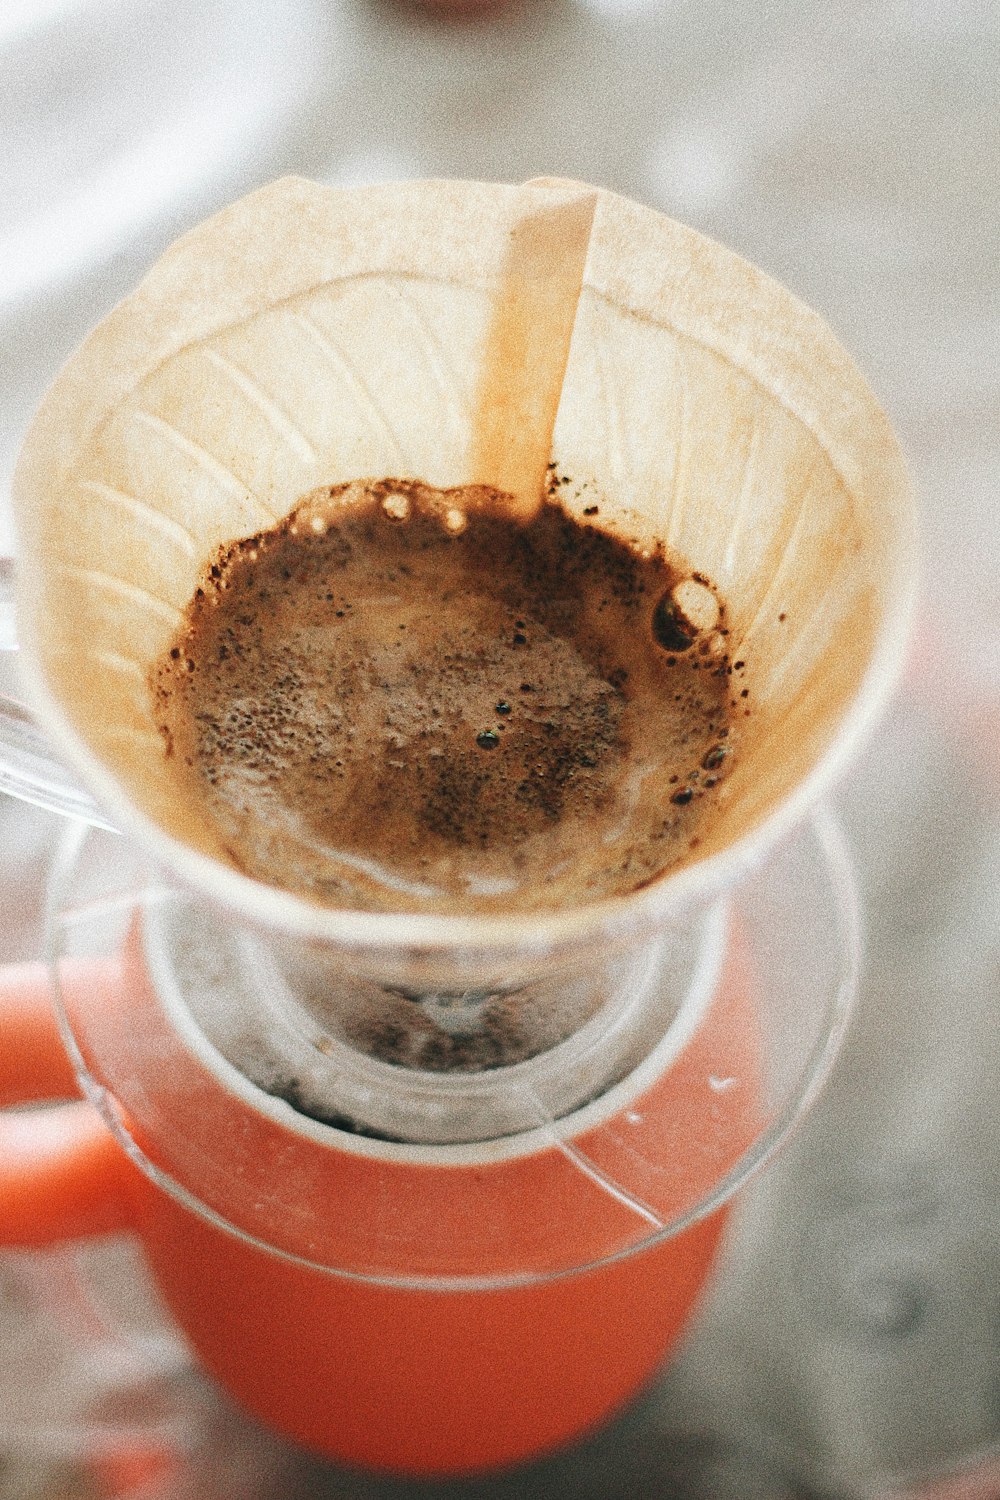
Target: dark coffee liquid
[(400, 699)]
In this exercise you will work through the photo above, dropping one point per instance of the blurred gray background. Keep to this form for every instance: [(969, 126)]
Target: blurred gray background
[(851, 1345)]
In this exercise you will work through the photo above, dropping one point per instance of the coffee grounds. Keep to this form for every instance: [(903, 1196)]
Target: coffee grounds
[(398, 698)]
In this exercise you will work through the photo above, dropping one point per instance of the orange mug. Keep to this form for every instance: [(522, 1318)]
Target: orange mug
[(547, 1278)]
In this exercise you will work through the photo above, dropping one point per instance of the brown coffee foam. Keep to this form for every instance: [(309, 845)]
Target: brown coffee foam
[(703, 404), (471, 711)]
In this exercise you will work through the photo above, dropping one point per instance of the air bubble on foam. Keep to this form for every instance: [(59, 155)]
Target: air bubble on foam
[(455, 521), (319, 525), (697, 605), (687, 612), (396, 507)]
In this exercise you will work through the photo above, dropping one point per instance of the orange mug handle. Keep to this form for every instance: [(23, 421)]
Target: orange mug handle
[(62, 1175)]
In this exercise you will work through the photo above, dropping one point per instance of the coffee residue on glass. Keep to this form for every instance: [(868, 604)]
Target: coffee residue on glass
[(400, 699)]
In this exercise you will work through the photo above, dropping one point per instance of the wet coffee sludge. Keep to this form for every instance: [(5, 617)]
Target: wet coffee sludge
[(399, 698)]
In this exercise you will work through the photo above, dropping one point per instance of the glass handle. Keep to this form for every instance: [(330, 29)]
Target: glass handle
[(28, 769)]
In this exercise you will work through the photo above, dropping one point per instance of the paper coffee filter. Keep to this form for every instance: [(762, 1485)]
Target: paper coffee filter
[(308, 335)]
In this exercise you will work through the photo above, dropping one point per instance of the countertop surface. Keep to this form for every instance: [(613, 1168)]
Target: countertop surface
[(850, 1345)]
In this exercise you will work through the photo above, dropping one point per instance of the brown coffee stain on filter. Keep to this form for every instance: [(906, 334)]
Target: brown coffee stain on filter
[(527, 345)]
